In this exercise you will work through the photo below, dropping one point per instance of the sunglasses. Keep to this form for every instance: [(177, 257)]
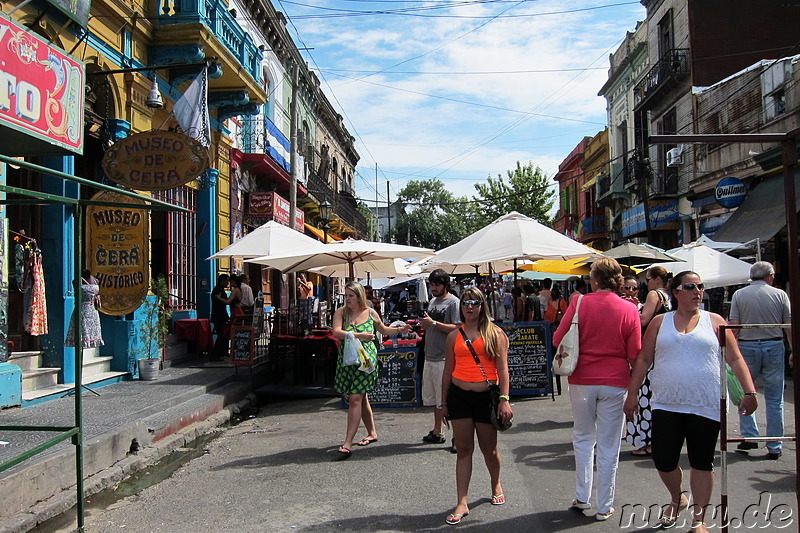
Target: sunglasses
[(470, 303), (691, 287), (648, 279)]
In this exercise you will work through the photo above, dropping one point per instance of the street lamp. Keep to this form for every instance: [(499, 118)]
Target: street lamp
[(326, 215)]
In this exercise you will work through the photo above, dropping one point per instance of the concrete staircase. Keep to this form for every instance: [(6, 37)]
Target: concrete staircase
[(39, 381)]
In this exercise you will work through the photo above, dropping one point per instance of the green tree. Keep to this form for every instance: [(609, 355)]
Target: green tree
[(527, 191), (434, 217)]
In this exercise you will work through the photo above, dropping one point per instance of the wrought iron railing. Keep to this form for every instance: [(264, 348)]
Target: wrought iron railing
[(215, 15), (674, 64)]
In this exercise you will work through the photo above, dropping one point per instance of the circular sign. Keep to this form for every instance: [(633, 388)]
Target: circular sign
[(730, 192), (155, 160)]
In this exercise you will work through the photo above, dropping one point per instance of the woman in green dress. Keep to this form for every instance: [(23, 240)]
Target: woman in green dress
[(362, 320)]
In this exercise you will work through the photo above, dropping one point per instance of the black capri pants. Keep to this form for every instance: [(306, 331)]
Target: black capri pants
[(468, 404), (671, 429)]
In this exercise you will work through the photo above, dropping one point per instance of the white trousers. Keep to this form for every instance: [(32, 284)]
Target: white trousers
[(598, 419)]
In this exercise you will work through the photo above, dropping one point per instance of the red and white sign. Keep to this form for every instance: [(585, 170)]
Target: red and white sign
[(273, 206), (41, 88)]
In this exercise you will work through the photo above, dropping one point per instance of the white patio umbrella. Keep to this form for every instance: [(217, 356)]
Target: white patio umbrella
[(725, 247), (271, 238), (512, 237), (714, 268), (374, 268), (346, 252)]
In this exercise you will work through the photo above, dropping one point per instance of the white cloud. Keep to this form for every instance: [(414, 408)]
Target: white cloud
[(410, 133)]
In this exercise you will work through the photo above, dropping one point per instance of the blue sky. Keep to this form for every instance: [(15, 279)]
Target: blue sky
[(458, 90)]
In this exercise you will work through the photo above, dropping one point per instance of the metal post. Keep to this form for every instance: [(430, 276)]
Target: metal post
[(723, 428), (77, 439), (388, 211), (789, 169), (293, 167)]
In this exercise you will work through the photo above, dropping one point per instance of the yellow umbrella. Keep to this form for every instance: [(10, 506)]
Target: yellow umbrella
[(570, 267)]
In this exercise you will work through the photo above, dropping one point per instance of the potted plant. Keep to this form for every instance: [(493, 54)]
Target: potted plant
[(154, 328)]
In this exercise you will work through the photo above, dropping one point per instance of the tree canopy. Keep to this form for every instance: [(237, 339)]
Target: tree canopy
[(527, 191), (435, 218)]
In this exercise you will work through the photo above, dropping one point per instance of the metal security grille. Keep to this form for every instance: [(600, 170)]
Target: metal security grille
[(181, 236)]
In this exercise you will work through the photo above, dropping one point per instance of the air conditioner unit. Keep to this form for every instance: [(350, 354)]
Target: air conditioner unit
[(675, 157)]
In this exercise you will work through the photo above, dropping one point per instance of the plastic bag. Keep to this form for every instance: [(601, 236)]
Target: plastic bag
[(735, 390), (352, 348)]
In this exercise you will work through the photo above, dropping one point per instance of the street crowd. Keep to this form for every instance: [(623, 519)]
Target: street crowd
[(647, 370)]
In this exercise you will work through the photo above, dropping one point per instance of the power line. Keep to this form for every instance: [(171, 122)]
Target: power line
[(414, 12), (459, 73)]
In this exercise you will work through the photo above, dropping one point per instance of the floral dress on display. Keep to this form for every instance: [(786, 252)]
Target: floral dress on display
[(90, 319)]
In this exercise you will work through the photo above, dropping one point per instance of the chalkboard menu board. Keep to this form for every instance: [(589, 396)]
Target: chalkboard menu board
[(398, 379), (258, 317), (242, 345), (529, 357)]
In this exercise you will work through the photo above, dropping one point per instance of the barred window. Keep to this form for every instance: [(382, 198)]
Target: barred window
[(180, 240)]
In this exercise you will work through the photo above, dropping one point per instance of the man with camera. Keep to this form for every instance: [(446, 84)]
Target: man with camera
[(441, 318)]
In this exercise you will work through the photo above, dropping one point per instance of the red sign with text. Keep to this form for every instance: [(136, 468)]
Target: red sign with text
[(41, 88), (273, 206)]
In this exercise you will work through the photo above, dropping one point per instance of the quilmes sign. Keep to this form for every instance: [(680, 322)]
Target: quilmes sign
[(155, 160), (41, 92), (117, 252), (730, 192)]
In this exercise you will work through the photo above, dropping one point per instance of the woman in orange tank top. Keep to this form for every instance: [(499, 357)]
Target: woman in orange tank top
[(466, 396)]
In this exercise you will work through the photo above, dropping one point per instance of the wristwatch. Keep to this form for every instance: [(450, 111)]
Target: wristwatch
[(750, 394), (433, 324)]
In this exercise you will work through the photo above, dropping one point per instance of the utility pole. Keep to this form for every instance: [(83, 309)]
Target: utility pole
[(388, 209), (293, 167), (375, 214)]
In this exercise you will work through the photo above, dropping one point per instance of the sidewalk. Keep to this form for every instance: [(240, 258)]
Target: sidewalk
[(123, 417)]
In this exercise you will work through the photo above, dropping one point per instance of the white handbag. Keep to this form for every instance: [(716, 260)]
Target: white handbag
[(566, 357)]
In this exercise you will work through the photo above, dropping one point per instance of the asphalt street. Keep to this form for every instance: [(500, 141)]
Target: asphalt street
[(276, 472)]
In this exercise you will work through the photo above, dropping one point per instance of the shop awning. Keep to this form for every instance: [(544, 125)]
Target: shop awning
[(589, 184), (318, 233), (761, 215)]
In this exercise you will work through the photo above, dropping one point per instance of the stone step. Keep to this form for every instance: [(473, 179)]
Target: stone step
[(39, 378), (26, 360), (97, 365)]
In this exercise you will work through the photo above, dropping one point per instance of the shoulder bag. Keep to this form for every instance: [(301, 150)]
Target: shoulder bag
[(566, 358), (494, 390)]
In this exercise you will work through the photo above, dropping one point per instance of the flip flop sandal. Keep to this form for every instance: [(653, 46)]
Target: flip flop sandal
[(366, 441), (500, 499), (343, 453), (455, 518)]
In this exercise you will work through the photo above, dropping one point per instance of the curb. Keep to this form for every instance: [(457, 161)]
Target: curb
[(111, 477)]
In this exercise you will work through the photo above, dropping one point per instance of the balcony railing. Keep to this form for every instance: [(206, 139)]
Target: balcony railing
[(222, 24), (259, 135), (592, 227), (673, 66)]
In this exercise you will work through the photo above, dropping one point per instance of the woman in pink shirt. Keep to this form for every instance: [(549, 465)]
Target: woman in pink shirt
[(610, 340)]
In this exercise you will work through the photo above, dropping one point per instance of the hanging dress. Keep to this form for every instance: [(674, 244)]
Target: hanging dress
[(36, 316), (90, 319), (351, 380)]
